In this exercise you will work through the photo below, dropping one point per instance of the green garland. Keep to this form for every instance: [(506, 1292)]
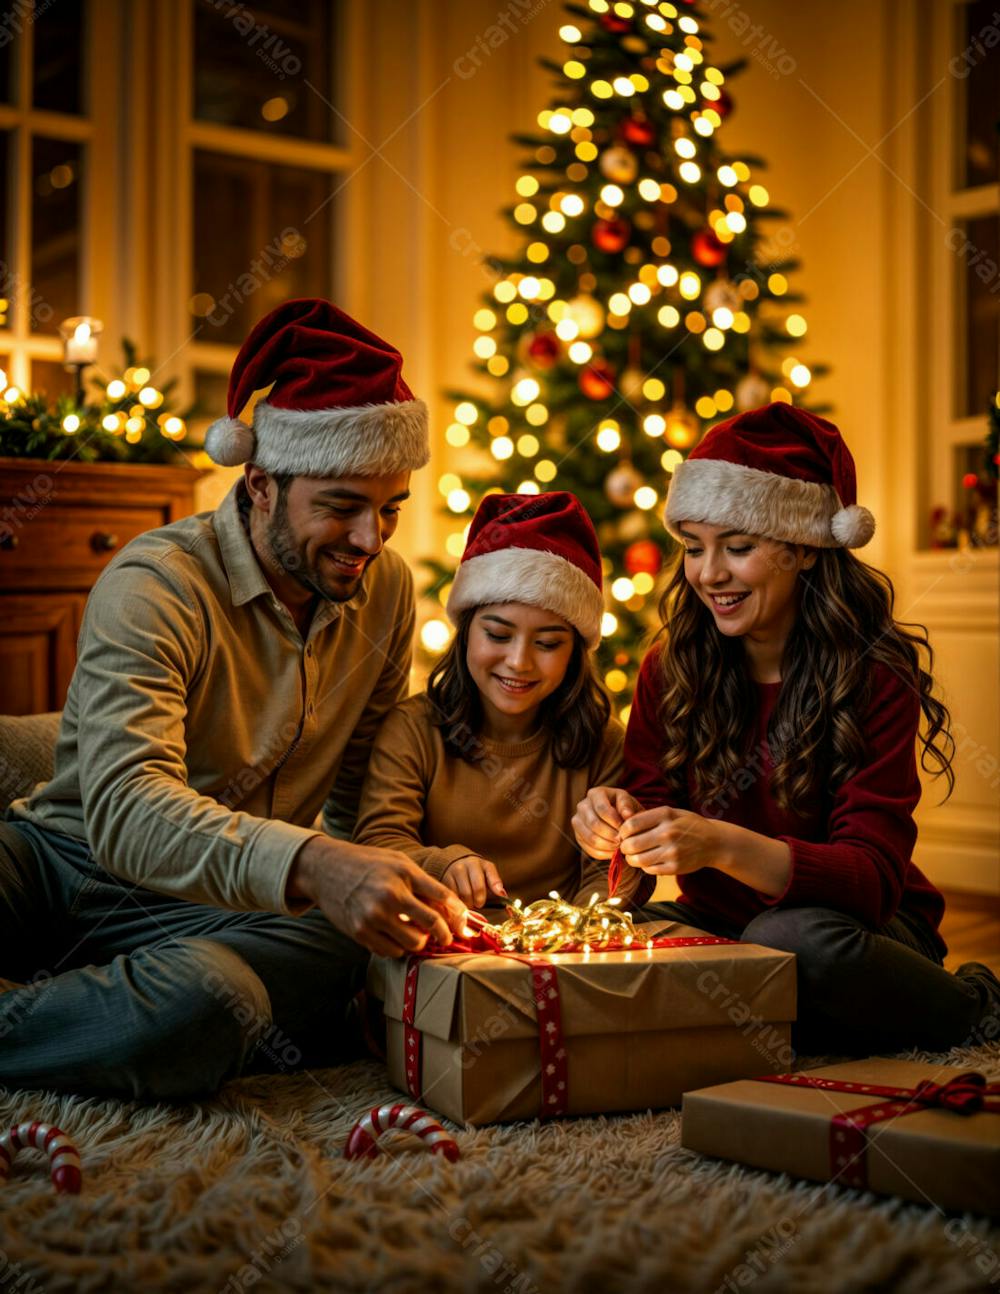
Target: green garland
[(33, 426)]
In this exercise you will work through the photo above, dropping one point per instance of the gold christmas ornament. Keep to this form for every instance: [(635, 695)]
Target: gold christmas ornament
[(619, 164)]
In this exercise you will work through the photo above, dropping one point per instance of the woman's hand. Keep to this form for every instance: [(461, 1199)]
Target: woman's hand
[(669, 842), (599, 818), (473, 879)]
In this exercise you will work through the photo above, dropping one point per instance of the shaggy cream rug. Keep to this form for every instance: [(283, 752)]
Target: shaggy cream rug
[(250, 1191)]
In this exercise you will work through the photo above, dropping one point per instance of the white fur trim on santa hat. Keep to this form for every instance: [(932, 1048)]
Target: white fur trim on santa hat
[(535, 577), (367, 440), (720, 493), (229, 442)]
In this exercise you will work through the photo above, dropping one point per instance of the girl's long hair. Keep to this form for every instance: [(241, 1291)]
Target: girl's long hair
[(815, 736), (576, 713)]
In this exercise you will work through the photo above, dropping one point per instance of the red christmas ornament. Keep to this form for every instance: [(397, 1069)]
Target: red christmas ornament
[(639, 132), (544, 350), (970, 480), (610, 235), (707, 249), (723, 105), (643, 557), (597, 380), (610, 22)]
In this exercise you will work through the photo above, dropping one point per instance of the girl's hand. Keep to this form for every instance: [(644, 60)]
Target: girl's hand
[(669, 842), (473, 879), (599, 818)]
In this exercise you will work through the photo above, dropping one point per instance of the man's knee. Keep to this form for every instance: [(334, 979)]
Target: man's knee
[(821, 939), (212, 1009)]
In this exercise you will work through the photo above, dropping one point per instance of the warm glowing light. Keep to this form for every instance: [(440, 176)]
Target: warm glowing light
[(567, 329), (526, 186), (553, 222), (536, 415), (110, 422), (736, 221), (644, 583), (608, 437), (457, 434), (645, 498), (667, 275), (172, 427), (623, 86), (650, 190), (609, 623), (668, 316), (778, 284), (722, 317), (689, 285), (616, 680), (571, 205), (800, 375), (580, 352), (116, 389), (639, 293), (612, 195), (796, 326), (570, 34), (435, 635), (459, 500), (545, 470), (727, 176), (670, 459), (759, 196), (70, 424), (654, 424), (502, 447), (619, 304), (484, 347), (673, 100), (622, 589), (524, 213), (685, 147), (448, 482), (524, 391), (714, 339), (527, 487), (690, 172)]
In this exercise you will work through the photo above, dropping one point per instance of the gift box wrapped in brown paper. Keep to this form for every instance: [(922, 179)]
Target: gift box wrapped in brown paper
[(939, 1146), (633, 1029)]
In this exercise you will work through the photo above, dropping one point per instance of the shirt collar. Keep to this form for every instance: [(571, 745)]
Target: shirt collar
[(243, 570)]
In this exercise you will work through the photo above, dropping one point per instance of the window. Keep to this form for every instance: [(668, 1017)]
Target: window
[(962, 268), (261, 131), (47, 133)]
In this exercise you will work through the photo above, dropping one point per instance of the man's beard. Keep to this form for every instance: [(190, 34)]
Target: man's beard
[(290, 557)]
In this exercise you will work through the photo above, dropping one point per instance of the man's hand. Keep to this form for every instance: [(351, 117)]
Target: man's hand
[(599, 818), (473, 879), (376, 896)]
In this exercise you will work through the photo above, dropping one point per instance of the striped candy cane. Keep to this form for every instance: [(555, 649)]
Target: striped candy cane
[(363, 1137), (64, 1159)]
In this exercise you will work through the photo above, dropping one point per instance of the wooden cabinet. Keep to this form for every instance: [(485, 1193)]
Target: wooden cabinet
[(60, 525)]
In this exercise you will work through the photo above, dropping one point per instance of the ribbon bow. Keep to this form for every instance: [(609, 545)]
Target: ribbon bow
[(964, 1093)]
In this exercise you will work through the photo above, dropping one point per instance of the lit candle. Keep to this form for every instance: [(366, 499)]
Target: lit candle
[(80, 336)]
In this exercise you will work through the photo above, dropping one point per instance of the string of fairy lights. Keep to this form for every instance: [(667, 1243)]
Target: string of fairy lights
[(532, 330)]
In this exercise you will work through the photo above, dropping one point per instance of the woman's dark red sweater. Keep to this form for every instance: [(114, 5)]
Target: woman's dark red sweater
[(853, 857)]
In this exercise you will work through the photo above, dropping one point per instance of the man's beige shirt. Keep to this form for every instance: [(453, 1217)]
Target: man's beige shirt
[(201, 735)]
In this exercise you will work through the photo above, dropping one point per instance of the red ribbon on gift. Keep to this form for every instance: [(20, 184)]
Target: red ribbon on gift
[(965, 1094), (548, 1008)]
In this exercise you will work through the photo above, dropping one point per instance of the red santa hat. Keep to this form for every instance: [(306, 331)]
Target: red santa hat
[(776, 471), (540, 549), (338, 405)]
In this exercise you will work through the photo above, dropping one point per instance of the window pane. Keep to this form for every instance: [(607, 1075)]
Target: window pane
[(980, 352), (210, 391), (55, 232), (6, 250), (266, 67), (7, 58), (51, 376), (978, 64), (58, 56), (261, 234)]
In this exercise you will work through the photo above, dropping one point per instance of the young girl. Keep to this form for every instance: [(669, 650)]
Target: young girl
[(477, 778), (769, 759)]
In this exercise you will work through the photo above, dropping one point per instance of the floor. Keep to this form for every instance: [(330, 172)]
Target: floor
[(971, 928)]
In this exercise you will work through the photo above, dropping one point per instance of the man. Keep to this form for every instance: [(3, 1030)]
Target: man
[(178, 914)]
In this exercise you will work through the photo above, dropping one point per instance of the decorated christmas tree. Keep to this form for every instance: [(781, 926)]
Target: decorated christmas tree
[(645, 303)]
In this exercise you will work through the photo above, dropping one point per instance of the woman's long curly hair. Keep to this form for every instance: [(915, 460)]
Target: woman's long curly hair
[(576, 713), (815, 736)]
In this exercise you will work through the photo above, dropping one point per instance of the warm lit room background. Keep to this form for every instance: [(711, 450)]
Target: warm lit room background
[(159, 177)]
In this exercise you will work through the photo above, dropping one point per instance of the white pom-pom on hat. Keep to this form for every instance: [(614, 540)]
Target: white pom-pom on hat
[(852, 526), (229, 442)]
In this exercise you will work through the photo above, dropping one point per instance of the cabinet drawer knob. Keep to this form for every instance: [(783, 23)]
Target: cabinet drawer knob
[(102, 541), (8, 542)]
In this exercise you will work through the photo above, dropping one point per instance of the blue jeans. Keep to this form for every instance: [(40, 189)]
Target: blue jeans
[(860, 990), (135, 994)]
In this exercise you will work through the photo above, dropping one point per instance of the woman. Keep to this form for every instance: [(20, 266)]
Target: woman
[(477, 778), (769, 760)]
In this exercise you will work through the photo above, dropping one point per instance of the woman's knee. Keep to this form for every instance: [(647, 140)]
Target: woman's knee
[(821, 939)]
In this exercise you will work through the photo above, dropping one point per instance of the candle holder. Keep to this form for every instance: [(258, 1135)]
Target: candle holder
[(79, 334)]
